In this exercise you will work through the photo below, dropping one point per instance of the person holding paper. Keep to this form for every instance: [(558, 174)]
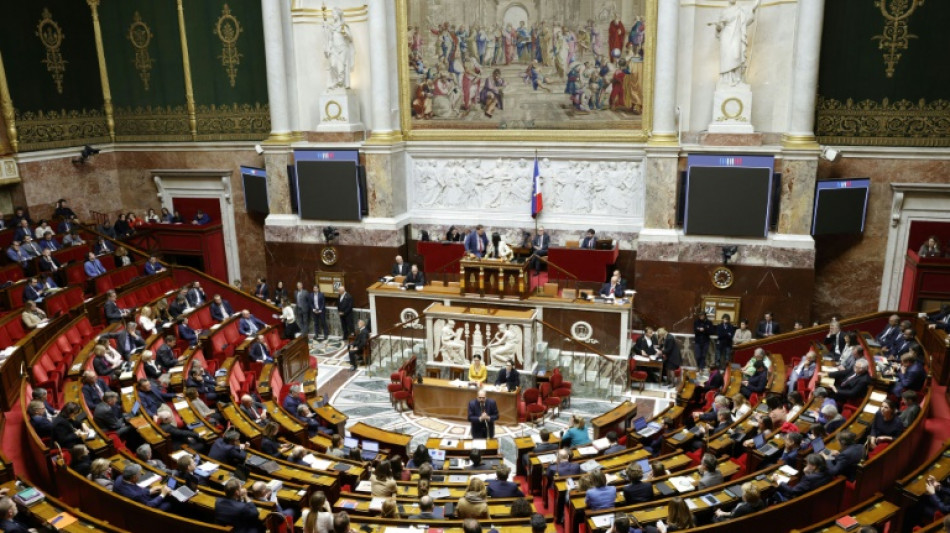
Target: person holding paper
[(508, 377), (127, 485), (482, 413), (814, 475), (577, 434)]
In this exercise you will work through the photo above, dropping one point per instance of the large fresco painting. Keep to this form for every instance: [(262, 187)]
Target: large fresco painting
[(527, 65)]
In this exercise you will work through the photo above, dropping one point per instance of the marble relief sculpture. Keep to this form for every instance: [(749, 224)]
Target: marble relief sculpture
[(506, 345), (338, 51), (732, 30), (453, 347)]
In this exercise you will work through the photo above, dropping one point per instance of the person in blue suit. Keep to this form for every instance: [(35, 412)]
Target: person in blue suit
[(911, 376), (93, 267), (127, 485), (8, 512), (150, 398), (41, 424), (249, 324), (292, 400), (476, 242), (228, 450), (48, 242), (93, 388), (220, 308), (236, 509), (35, 291), (186, 333), (201, 218), (501, 487), (600, 495), (318, 310), (612, 288), (589, 242), (153, 266), (259, 351)]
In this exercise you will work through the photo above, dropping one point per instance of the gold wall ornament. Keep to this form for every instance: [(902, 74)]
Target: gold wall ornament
[(140, 35), (885, 123), (228, 29), (152, 123), (896, 35), (236, 122), (42, 130), (51, 35), (186, 64), (103, 70)]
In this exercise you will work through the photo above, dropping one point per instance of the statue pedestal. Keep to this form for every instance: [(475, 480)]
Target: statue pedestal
[(732, 109), (340, 111)]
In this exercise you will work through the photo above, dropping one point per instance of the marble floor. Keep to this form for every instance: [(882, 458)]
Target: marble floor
[(365, 399)]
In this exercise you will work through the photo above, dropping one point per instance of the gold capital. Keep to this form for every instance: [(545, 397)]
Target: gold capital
[(799, 142), (384, 137), (663, 139)]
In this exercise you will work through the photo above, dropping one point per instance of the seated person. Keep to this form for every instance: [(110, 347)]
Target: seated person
[(93, 267), (201, 218), (153, 266), (259, 352), (191, 394), (254, 410), (814, 475), (186, 333), (48, 242), (709, 472), (8, 512), (415, 278), (127, 485), (237, 510), (220, 308), (38, 419), (755, 383), (32, 316), (426, 508), (576, 435), (563, 466), (501, 487), (612, 289), (102, 247), (269, 443), (852, 385), (475, 456), (886, 425), (911, 376), (144, 454), (833, 419), (804, 370), (508, 377), (844, 462), (477, 372), (249, 324), (67, 430), (93, 388), (793, 443), (109, 417), (400, 267), (589, 242), (150, 398), (228, 450), (637, 490), (758, 356), (203, 383), (614, 447), (600, 495), (34, 291), (751, 502), (260, 492), (179, 437), (306, 417), (910, 408)]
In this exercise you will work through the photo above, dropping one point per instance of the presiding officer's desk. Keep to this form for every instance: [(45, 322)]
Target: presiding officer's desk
[(441, 398)]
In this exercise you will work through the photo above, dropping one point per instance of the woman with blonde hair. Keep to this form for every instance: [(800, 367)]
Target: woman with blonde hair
[(319, 519), (122, 257), (390, 510), (577, 434), (474, 503), (147, 321), (101, 472), (740, 405)]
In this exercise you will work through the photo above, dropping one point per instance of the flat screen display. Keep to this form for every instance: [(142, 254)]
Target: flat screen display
[(255, 190), (728, 195), (841, 206), (328, 184)]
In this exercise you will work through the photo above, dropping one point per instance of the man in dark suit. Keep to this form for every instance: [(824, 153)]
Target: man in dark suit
[(612, 288), (911, 376), (501, 487), (66, 428), (476, 242), (702, 329), (203, 383), (725, 333), (227, 450), (179, 304), (670, 352), (127, 341), (186, 333), (111, 310), (756, 382), (201, 218), (890, 333), (127, 485), (767, 327), (359, 344), (165, 355), (8, 512), (318, 312), (220, 309), (108, 416), (302, 308), (853, 383), (482, 413), (589, 242), (344, 306), (179, 436), (150, 398), (38, 419), (845, 462), (249, 324), (614, 447), (35, 291), (400, 267), (539, 248), (49, 265), (815, 474), (645, 344), (236, 509), (261, 290), (834, 340), (48, 242), (415, 279), (195, 296), (93, 388), (153, 266), (254, 410), (637, 491), (426, 506), (259, 351), (508, 377)]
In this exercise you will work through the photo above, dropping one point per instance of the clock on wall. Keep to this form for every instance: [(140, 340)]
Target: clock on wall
[(722, 277), (329, 256)]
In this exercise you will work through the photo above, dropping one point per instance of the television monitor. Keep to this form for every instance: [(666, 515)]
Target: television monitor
[(841, 206), (328, 186), (255, 190), (728, 195)]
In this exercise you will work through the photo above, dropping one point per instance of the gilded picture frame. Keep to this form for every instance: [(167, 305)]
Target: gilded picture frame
[(604, 131)]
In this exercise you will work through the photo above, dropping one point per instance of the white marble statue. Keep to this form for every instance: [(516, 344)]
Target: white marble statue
[(506, 345), (732, 30), (453, 347), (338, 51)]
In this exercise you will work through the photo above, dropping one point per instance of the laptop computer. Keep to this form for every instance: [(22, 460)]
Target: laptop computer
[(763, 447), (349, 443), (639, 423), (182, 493), (370, 450), (818, 446), (645, 466)]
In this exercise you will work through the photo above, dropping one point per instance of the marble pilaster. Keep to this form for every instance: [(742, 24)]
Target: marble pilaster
[(664, 94), (381, 56), (798, 193), (660, 189), (276, 159), (276, 69)]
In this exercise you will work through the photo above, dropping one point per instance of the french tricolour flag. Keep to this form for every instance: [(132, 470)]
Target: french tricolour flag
[(536, 202)]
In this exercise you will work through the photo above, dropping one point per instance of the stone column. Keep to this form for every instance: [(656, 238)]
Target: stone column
[(380, 57), (276, 70), (276, 159), (801, 123), (664, 87)]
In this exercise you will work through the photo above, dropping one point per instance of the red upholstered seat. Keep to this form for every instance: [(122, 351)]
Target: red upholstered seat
[(636, 376), (404, 394)]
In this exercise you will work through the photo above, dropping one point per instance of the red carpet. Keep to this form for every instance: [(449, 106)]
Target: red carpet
[(937, 425), (538, 279)]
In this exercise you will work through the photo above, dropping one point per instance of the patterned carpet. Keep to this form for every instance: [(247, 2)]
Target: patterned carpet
[(364, 398)]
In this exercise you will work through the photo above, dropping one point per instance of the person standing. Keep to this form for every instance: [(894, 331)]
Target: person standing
[(702, 328), (302, 299), (345, 308), (318, 308), (482, 413), (724, 341)]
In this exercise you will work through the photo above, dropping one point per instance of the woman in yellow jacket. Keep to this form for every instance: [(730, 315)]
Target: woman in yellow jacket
[(477, 372)]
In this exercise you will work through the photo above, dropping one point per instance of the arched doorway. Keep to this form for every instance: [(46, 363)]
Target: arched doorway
[(515, 15)]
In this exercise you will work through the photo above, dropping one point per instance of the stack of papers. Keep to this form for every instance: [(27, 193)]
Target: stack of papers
[(148, 480), (376, 504), (871, 408), (788, 471), (604, 521), (878, 397), (547, 458), (682, 483), (587, 450), (364, 486), (208, 467), (601, 444), (480, 444)]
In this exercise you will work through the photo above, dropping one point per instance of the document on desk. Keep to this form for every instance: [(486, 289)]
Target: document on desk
[(480, 444), (364, 486), (682, 483), (871, 408), (603, 521), (878, 397), (587, 450), (547, 458)]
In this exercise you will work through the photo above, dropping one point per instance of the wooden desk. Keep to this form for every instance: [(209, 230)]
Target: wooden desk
[(50, 507), (462, 446), (439, 398), (617, 419), (586, 265), (874, 513), (393, 443), (330, 415)]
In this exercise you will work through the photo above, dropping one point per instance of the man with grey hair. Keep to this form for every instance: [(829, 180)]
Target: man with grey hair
[(426, 505), (719, 402), (127, 485), (804, 370), (758, 355), (833, 417), (144, 453), (292, 400), (8, 511), (852, 384), (108, 416), (41, 394)]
